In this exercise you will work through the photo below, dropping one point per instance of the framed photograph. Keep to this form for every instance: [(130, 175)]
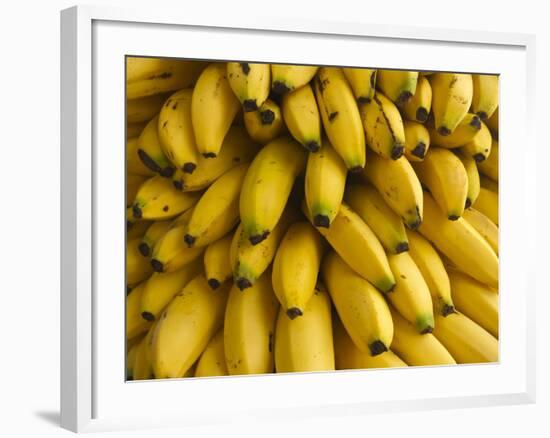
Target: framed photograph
[(261, 208)]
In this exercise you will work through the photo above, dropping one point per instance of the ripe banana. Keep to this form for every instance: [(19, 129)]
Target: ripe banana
[(131, 359), (217, 265), (134, 165), (492, 124), (267, 186), (295, 268), (362, 82), (417, 140), (460, 242), (433, 271), (250, 83), (484, 226), (479, 148), (249, 328), (150, 151), (306, 343), (383, 127), (135, 228), (135, 324), (325, 181), (212, 360), (217, 211), (340, 116), (155, 231), (444, 175), (185, 327), (398, 184), (485, 96), (487, 204), (488, 183), (418, 108), (137, 266), (134, 129), (301, 116), (465, 340), (213, 108), (385, 224), (398, 85), (465, 131), (489, 167), (451, 99), (142, 369), (140, 68), (285, 77), (265, 124), (362, 309), (133, 183), (145, 108), (473, 177)]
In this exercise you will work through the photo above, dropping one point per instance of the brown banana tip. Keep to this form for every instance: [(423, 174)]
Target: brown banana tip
[(245, 67), (444, 131), (377, 347), (128, 290), (148, 161), (188, 167), (312, 146), (279, 88), (136, 211), (403, 98), (178, 184), (453, 217), (157, 265), (167, 172), (402, 247), (419, 150), (468, 203), (321, 220), (476, 122), (414, 225), (257, 238), (147, 316), (189, 240), (243, 283), (421, 114), (267, 117), (363, 99), (391, 289), (397, 151), (213, 283), (479, 157), (482, 115), (209, 155), (427, 330), (355, 169), (294, 312), (144, 249), (447, 310), (250, 105)]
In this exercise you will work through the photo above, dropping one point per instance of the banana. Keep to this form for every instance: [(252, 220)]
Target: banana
[(237, 148), (444, 175), (137, 266), (465, 340), (418, 108), (285, 77), (250, 83), (185, 327), (135, 228), (362, 82), (142, 362), (475, 300), (362, 309), (133, 183), (295, 268), (267, 186), (488, 183), (433, 271), (301, 117), (325, 181), (383, 127), (487, 204), (340, 116), (484, 226), (417, 349), (175, 131), (213, 108), (348, 356), (265, 124), (212, 360), (217, 211), (492, 124), (160, 288), (460, 242), (158, 199), (489, 167), (398, 85), (479, 148), (473, 177), (385, 224), (485, 96), (249, 261), (217, 265), (134, 129), (130, 360), (411, 296), (417, 140), (451, 99), (134, 165), (249, 328), (398, 184), (140, 68), (306, 343), (465, 131), (150, 152), (155, 231), (135, 324), (145, 108)]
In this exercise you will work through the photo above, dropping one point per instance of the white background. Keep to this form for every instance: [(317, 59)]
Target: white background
[(29, 217)]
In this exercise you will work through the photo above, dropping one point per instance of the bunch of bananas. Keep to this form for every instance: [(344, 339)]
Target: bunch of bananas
[(288, 218)]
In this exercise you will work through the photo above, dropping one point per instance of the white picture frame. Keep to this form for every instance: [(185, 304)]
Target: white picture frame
[(94, 396)]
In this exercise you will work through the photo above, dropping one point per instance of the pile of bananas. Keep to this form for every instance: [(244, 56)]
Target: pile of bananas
[(290, 218)]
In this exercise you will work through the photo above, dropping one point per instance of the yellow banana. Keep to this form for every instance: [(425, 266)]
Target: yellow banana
[(362, 309), (362, 82), (134, 165), (398, 184), (433, 271), (295, 268), (487, 204), (411, 296), (398, 85), (465, 131), (286, 77), (383, 127), (483, 226), (142, 369), (465, 340), (155, 231), (479, 148), (135, 324), (451, 99), (340, 116), (489, 167), (460, 242), (417, 140), (267, 186), (217, 265), (217, 211), (131, 359), (250, 83), (488, 183), (145, 108), (473, 177), (137, 266), (301, 117), (213, 108), (444, 175), (140, 68), (133, 183), (265, 124), (325, 181), (485, 96), (249, 328), (418, 108), (135, 228), (212, 360), (492, 124), (150, 151), (134, 129), (372, 208), (306, 343)]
